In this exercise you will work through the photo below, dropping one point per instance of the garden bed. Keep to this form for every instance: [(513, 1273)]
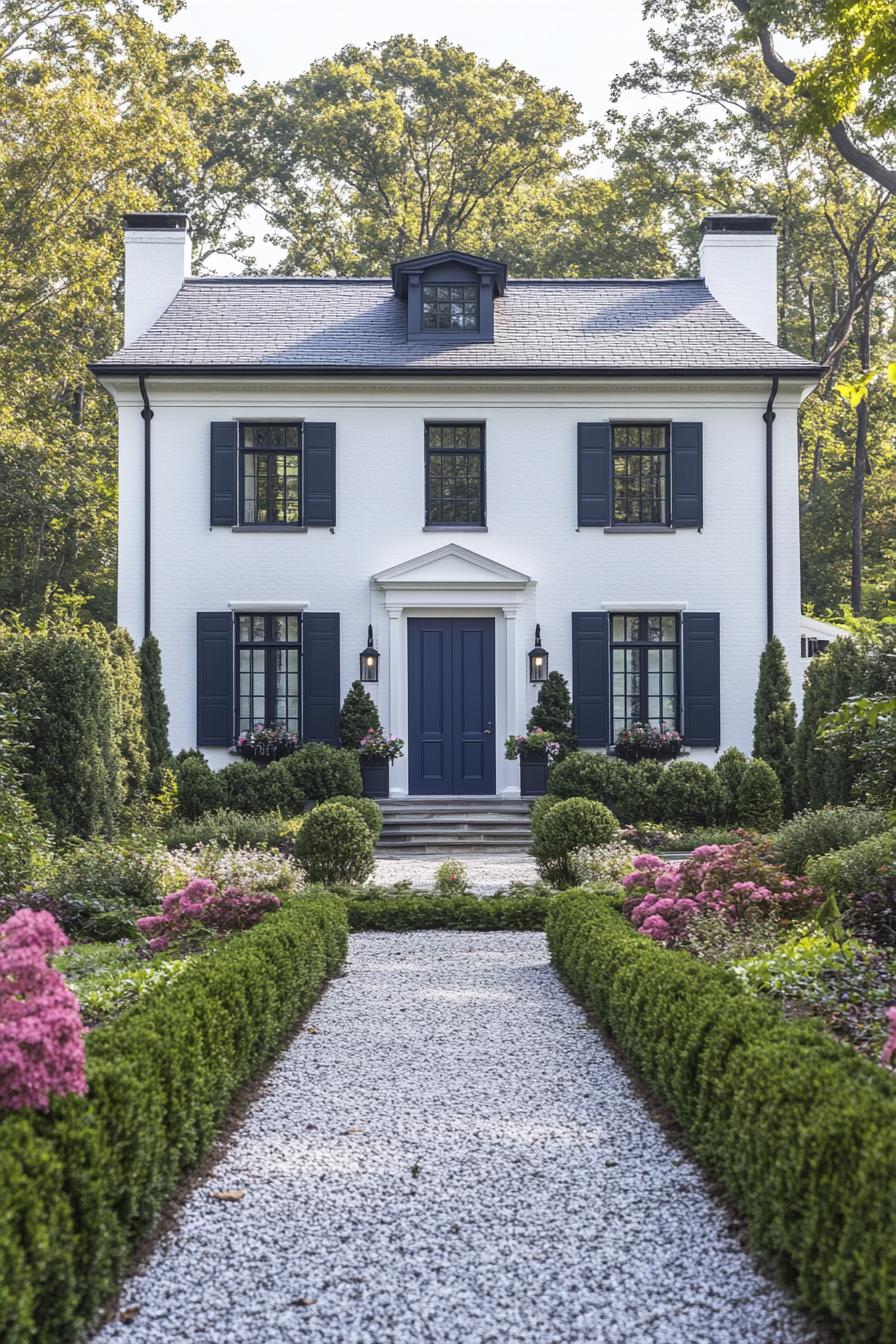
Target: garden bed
[(797, 1128), (84, 1182)]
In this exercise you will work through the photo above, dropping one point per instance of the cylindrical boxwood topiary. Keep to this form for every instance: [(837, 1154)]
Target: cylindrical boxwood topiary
[(688, 795), (334, 845), (729, 769), (199, 788), (562, 829), (760, 803)]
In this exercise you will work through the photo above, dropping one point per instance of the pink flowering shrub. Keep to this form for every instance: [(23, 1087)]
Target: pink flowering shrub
[(41, 1034), (202, 908), (735, 881), (888, 1054)]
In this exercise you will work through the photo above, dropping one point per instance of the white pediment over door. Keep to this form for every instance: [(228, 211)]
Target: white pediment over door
[(454, 567)]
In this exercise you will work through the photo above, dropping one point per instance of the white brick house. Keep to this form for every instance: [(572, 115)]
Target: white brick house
[(452, 457)]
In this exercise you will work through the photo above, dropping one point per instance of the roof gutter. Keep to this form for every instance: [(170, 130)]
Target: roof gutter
[(146, 415), (808, 374), (769, 418)]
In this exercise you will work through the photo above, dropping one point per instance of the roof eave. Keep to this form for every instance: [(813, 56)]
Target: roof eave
[(807, 373)]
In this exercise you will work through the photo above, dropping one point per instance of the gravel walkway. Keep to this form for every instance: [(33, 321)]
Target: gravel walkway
[(487, 873), (447, 1153)]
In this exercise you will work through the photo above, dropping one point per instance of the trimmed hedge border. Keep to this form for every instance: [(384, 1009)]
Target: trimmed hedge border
[(483, 913), (80, 1185), (799, 1131)]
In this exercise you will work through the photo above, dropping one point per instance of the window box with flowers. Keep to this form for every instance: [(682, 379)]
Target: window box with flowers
[(648, 742), (536, 751), (264, 744), (377, 752)]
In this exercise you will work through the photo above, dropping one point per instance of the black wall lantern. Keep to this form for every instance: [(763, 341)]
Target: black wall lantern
[(370, 659), (538, 659)]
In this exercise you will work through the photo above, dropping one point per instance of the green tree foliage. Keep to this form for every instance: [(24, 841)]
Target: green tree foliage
[(774, 717), (823, 767), (553, 712), (760, 801), (729, 769), (155, 711), (127, 694), (358, 713)]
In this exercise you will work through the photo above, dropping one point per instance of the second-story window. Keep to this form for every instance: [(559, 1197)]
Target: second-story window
[(455, 475), (641, 475), (271, 475), (450, 307)]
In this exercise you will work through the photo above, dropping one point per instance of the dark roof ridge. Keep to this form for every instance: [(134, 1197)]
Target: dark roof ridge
[(384, 280)]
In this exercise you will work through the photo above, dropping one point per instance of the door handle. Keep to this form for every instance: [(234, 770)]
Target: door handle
[(487, 730)]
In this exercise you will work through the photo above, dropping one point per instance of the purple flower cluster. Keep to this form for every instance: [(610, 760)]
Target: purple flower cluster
[(730, 880), (41, 1033), (376, 743), (202, 907), (537, 740), (644, 741)]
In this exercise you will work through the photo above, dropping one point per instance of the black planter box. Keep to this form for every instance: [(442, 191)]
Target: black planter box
[(264, 753), (375, 776), (533, 773)]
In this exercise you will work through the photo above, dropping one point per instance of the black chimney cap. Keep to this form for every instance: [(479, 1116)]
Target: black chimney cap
[(158, 219), (738, 224)]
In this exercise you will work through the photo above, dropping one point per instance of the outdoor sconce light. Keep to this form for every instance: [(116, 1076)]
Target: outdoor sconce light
[(370, 659), (538, 659)]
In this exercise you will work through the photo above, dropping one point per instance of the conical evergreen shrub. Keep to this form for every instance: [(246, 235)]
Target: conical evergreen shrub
[(553, 712), (358, 713), (759, 798), (155, 711), (824, 769), (729, 769), (774, 722)]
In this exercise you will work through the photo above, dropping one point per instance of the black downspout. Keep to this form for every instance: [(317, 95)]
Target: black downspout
[(146, 415), (769, 418)]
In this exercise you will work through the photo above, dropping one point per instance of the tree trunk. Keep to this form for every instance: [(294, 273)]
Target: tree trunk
[(860, 461)]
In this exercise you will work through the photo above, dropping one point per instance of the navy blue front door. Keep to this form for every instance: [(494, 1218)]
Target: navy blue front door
[(451, 705)]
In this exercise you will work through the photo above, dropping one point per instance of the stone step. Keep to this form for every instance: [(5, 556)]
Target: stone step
[(439, 825)]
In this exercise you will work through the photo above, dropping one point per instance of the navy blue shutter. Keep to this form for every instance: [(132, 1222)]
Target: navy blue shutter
[(591, 677), (214, 679), (319, 475), (320, 677), (701, 679), (595, 461), (686, 451), (223, 473)]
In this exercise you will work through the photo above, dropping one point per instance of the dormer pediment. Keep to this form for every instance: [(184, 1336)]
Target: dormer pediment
[(450, 296)]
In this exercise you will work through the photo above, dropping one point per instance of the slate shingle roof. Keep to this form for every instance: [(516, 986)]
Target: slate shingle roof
[(551, 325)]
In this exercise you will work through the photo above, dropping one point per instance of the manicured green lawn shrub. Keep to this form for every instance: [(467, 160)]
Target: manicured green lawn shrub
[(284, 793), (760, 803), (636, 791), (583, 774), (366, 809), (323, 772), (425, 910), (729, 769), (227, 828), (81, 1185), (564, 828), (247, 787), (799, 1130), (334, 845), (199, 787), (859, 867), (688, 794), (828, 828)]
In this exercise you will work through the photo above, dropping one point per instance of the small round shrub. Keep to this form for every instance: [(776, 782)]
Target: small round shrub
[(688, 794), (636, 791), (818, 832), (199, 787), (283, 789), (582, 774), (570, 825), (541, 807), (450, 878), (729, 769), (322, 772), (334, 845), (224, 827), (246, 787), (858, 868), (760, 800), (366, 809)]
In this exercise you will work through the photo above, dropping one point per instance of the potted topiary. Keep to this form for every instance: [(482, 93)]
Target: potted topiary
[(263, 744), (644, 742), (536, 751), (377, 752)]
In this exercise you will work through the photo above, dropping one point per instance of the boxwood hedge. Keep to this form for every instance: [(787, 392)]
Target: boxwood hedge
[(417, 910), (80, 1185), (800, 1132)]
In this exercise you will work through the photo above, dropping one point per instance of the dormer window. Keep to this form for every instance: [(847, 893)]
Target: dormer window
[(450, 307), (450, 296)]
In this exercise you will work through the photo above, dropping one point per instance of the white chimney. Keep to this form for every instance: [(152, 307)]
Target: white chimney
[(156, 263), (739, 262)]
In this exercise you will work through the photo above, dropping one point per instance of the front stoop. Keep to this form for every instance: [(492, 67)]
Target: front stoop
[(440, 825)]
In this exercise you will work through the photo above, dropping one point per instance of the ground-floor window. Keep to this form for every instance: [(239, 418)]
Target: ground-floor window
[(268, 660), (645, 652)]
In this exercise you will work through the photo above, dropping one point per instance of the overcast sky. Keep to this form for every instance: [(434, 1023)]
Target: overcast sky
[(575, 45)]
